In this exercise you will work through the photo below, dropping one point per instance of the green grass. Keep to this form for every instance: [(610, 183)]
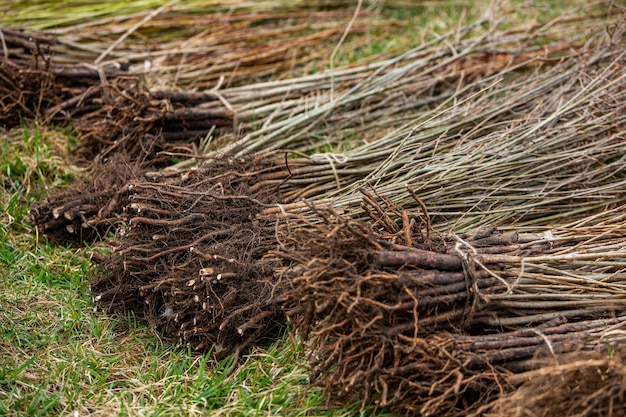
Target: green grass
[(58, 357)]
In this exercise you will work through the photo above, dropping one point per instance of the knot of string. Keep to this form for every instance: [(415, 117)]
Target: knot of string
[(471, 261), (471, 285), (332, 159)]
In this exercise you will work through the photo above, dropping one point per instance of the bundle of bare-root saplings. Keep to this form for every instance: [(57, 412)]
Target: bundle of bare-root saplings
[(33, 85), (394, 311), (193, 260), (577, 384), (432, 324), (124, 128), (111, 110)]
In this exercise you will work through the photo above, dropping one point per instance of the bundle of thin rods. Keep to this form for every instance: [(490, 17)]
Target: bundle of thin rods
[(192, 259), (211, 46), (437, 324), (482, 137)]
